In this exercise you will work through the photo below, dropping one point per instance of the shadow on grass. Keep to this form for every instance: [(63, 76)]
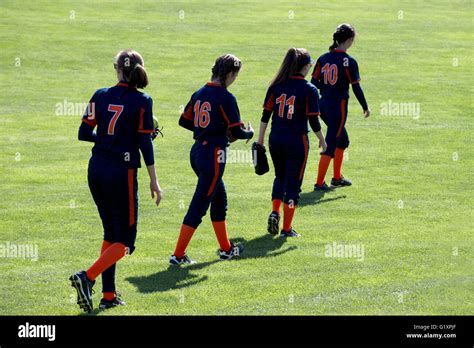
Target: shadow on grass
[(313, 197), (178, 277)]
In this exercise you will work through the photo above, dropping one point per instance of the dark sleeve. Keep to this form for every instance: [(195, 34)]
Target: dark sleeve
[(315, 78), (89, 120), (146, 147), (269, 101), (351, 70), (186, 119), (266, 115), (360, 96), (145, 118), (230, 112), (240, 133), (86, 133), (314, 123)]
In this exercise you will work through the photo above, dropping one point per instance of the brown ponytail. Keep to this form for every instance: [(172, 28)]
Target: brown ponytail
[(295, 59), (343, 33), (132, 65), (224, 65)]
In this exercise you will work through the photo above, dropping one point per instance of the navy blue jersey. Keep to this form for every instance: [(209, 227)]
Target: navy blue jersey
[(333, 73), (120, 114), (291, 103), (213, 109)]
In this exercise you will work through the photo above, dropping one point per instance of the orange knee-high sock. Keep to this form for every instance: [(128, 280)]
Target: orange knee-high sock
[(110, 256), (276, 204), (337, 163), (220, 228), (185, 235), (289, 212), (323, 168), (107, 295)]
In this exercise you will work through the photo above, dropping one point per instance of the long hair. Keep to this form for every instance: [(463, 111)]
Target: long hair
[(343, 33), (132, 65), (295, 59), (224, 65)]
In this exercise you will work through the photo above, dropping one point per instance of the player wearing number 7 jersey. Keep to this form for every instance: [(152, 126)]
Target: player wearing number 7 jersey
[(291, 102), (124, 120), (211, 114), (333, 73)]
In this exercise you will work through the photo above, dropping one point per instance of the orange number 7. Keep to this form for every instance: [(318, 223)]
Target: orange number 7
[(117, 110)]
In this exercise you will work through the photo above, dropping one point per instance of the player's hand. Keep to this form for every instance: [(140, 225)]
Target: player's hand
[(367, 113), (155, 188), (323, 145), (249, 129)]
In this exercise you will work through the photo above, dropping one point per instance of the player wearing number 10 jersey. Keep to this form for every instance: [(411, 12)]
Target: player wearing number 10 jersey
[(333, 73), (211, 114), (123, 117)]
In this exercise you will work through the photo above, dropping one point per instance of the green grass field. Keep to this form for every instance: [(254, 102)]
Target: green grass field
[(410, 206)]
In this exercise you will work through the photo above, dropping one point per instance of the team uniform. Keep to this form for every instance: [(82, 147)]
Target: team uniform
[(290, 105), (333, 73), (210, 113), (124, 120)]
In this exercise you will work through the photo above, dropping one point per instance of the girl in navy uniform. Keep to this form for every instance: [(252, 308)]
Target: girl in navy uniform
[(212, 115), (123, 117), (333, 73), (291, 102)]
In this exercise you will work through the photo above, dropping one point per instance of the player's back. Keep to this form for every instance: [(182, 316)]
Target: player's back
[(291, 103), (209, 116), (333, 73), (120, 113)]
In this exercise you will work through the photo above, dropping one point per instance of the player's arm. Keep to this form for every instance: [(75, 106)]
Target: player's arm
[(315, 78), (231, 114), (89, 121), (145, 143), (268, 105), (186, 119), (312, 112), (352, 72)]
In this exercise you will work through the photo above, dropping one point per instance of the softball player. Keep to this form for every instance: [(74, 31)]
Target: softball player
[(211, 114), (333, 73), (291, 102), (123, 117)]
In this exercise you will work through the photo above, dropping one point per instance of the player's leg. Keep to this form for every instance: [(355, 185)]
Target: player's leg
[(209, 162), (342, 143), (330, 118), (227, 250), (295, 168), (278, 155)]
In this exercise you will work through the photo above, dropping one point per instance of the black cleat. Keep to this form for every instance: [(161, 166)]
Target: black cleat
[(235, 250), (181, 260), (322, 188), (273, 223), (117, 301), (83, 286), (340, 182), (290, 233)]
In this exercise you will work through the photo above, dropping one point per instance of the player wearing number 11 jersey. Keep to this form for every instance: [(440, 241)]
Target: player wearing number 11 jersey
[(333, 73), (211, 114)]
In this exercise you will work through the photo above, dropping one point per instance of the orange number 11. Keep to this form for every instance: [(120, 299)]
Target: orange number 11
[(283, 101)]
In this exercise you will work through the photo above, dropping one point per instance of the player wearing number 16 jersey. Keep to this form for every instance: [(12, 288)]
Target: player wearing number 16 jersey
[(211, 113), (333, 73), (123, 118)]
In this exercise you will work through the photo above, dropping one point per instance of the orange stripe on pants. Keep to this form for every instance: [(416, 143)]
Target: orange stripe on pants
[(343, 117), (131, 200), (216, 172), (305, 143)]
